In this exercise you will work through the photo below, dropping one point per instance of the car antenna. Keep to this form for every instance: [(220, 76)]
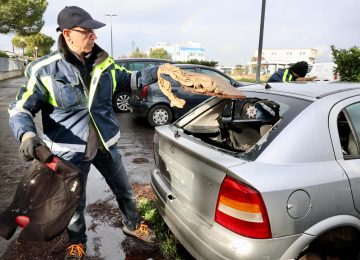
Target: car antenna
[(267, 86)]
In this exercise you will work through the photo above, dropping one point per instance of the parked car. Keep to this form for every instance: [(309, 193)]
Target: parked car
[(324, 71), (152, 104), (121, 98), (273, 176)]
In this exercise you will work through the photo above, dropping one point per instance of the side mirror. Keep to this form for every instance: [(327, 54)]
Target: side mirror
[(236, 84)]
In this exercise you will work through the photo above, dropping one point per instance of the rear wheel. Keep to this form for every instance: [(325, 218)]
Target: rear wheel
[(338, 243), (159, 115), (121, 102)]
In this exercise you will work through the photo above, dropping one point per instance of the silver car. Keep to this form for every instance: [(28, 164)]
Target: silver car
[(273, 176)]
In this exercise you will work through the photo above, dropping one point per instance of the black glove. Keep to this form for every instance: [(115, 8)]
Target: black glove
[(27, 147)]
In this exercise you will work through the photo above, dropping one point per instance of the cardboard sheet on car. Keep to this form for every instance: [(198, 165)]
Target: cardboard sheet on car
[(194, 83)]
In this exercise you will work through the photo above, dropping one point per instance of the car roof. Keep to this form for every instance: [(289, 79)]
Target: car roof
[(310, 90), (187, 65), (142, 59)]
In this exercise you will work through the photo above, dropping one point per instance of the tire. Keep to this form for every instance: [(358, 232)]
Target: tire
[(159, 115), (341, 241), (121, 102)]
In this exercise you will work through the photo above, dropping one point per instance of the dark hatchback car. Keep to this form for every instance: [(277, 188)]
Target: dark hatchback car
[(150, 103), (121, 98)]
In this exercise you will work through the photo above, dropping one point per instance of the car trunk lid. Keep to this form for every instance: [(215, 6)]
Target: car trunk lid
[(192, 171)]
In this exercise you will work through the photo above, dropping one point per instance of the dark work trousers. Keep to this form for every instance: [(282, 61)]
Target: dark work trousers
[(115, 176)]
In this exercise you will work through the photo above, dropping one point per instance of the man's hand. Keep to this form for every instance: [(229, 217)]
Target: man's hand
[(29, 142), (311, 78), (307, 78)]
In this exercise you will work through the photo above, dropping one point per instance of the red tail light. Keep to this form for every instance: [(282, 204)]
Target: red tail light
[(242, 210), (144, 91)]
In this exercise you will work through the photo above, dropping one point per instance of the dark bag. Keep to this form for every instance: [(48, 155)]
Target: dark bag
[(45, 200)]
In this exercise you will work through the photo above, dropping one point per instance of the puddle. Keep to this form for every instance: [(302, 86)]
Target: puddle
[(103, 219), (140, 160)]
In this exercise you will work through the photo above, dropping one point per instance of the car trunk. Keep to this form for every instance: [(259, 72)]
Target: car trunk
[(194, 154), (190, 170)]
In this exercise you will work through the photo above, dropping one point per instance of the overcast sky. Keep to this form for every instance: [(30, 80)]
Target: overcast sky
[(227, 29)]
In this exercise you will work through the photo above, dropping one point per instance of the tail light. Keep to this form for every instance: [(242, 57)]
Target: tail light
[(242, 210), (144, 91)]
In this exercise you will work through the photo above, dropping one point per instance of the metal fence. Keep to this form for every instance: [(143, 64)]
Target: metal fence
[(11, 64)]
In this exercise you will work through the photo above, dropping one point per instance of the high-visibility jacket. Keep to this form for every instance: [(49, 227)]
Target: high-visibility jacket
[(67, 105), (282, 75)]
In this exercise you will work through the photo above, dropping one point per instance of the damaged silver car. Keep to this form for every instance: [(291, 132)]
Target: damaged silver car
[(273, 176)]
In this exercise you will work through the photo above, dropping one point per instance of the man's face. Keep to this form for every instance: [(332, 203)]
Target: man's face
[(80, 39)]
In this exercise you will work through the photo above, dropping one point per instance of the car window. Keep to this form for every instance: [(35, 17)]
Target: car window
[(189, 69), (241, 123), (349, 130), (136, 66), (121, 64), (215, 74)]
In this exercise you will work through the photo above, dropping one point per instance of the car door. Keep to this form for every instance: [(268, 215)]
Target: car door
[(344, 123)]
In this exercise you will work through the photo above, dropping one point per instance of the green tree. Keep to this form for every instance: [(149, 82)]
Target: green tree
[(40, 41), (3, 54), (138, 54), (19, 42), (239, 70), (22, 16), (212, 63), (348, 63), (159, 53)]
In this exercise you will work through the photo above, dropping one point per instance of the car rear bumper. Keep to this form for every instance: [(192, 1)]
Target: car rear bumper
[(205, 241), (140, 108)]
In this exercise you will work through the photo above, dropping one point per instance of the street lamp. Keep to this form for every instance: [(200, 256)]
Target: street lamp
[(260, 42), (111, 15), (36, 52)]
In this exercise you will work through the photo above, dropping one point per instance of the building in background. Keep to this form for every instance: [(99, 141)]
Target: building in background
[(226, 69), (275, 59), (182, 51)]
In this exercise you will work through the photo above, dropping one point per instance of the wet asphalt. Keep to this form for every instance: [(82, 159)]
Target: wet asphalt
[(105, 240)]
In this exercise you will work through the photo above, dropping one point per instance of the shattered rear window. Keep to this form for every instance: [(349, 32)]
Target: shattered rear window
[(244, 128)]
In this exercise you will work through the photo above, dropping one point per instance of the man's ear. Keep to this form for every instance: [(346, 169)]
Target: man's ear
[(66, 33)]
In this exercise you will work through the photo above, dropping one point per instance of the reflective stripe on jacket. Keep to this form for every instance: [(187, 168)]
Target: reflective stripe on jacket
[(55, 87), (282, 75)]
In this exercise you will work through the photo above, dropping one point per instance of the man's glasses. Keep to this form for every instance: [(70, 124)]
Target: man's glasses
[(86, 32)]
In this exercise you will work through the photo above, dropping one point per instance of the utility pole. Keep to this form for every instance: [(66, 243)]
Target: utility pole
[(260, 42), (111, 38)]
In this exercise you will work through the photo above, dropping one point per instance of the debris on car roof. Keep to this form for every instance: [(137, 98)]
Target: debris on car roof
[(194, 83)]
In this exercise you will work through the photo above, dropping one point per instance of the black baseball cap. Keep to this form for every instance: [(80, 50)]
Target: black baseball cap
[(72, 16)]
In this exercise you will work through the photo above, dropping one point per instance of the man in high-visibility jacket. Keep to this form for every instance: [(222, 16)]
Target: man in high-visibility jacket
[(73, 88), (295, 72)]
